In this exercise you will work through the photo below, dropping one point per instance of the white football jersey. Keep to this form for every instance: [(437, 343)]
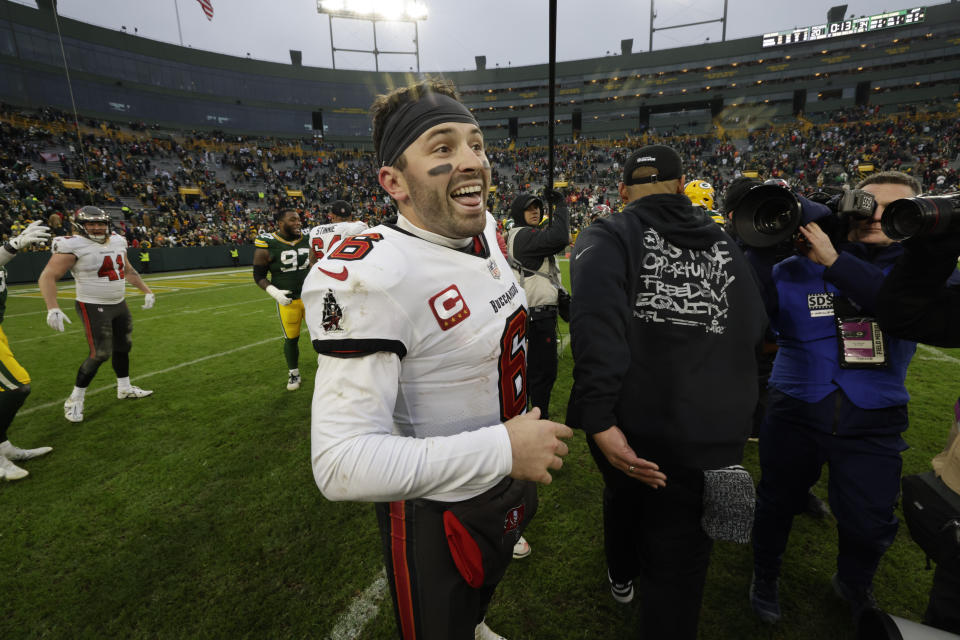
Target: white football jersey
[(457, 322), (100, 268), (323, 237)]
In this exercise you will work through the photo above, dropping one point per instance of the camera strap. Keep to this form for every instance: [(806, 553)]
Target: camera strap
[(860, 339)]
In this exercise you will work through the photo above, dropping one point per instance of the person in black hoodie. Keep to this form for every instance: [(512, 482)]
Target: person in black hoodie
[(531, 250), (666, 323), (915, 301), (918, 302)]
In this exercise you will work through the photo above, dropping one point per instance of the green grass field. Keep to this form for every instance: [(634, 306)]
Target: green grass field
[(193, 513)]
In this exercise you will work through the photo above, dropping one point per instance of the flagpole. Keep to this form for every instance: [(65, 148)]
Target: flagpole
[(177, 9), (552, 73)]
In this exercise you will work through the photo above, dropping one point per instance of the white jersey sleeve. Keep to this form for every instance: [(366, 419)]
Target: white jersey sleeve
[(100, 269), (357, 454), (422, 359)]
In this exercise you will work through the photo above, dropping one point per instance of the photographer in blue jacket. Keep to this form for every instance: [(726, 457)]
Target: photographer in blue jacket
[(837, 397)]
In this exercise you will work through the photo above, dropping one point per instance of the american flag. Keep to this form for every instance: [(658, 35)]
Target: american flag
[(207, 6)]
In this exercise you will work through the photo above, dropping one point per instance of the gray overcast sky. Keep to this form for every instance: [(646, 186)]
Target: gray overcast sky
[(508, 32)]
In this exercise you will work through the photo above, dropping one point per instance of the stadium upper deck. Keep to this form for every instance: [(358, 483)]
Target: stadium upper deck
[(688, 89)]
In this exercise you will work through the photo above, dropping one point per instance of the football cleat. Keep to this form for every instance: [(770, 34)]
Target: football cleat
[(13, 453), (293, 382), (10, 471), (133, 392), (73, 410), (521, 549), (765, 598), (483, 632), (622, 592)]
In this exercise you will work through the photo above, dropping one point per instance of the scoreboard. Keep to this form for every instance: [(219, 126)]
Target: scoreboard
[(846, 27)]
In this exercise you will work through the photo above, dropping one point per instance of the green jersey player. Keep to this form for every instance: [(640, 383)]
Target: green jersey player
[(14, 379), (285, 255)]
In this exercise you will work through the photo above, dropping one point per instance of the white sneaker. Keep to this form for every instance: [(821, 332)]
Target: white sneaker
[(13, 453), (132, 392), (483, 632), (10, 471), (73, 410), (293, 382), (521, 549), (622, 592)]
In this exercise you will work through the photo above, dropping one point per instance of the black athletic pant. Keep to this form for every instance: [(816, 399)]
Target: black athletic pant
[(655, 535), (108, 329), (541, 357), (432, 599)]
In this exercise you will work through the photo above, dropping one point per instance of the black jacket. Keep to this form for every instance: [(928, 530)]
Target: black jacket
[(533, 244), (666, 327), (916, 300)]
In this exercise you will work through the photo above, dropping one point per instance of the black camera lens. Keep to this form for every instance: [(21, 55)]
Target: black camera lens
[(766, 215), (921, 216), (773, 218)]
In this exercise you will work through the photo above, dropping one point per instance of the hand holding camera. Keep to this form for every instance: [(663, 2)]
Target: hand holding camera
[(819, 247)]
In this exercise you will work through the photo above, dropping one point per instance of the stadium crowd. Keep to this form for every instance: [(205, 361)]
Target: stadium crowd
[(208, 188)]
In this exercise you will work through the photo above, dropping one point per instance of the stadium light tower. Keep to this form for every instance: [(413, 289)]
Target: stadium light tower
[(374, 11), (653, 15)]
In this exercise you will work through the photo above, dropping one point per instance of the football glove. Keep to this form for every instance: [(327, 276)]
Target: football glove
[(148, 300), (282, 296), (56, 318), (35, 233)]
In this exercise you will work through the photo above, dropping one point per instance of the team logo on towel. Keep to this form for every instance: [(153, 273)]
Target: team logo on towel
[(511, 522)]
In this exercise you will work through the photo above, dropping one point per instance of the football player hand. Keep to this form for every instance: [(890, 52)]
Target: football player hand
[(35, 233), (619, 454), (56, 318), (148, 300), (282, 296), (536, 446)]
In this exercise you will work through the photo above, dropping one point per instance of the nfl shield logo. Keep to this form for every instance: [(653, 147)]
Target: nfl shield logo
[(494, 269)]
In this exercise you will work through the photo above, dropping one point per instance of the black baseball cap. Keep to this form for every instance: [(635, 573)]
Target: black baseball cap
[(341, 208), (661, 157)]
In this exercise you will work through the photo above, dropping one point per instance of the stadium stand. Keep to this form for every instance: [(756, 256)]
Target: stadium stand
[(231, 139)]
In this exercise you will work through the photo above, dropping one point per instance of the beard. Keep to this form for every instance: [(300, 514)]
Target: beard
[(441, 215)]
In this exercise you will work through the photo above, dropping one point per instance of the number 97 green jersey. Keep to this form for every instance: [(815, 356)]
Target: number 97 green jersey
[(289, 260)]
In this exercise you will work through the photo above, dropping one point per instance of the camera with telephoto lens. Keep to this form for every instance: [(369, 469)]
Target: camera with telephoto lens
[(921, 216), (770, 214)]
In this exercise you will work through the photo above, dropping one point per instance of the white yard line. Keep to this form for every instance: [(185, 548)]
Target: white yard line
[(160, 297), (181, 312), (361, 610), (153, 373), (937, 354), (150, 316)]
